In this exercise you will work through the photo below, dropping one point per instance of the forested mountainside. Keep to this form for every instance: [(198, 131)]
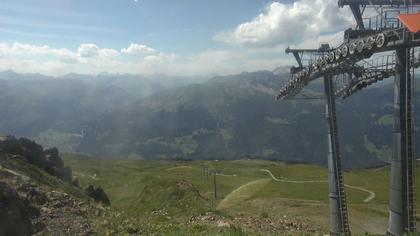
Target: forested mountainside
[(236, 117)]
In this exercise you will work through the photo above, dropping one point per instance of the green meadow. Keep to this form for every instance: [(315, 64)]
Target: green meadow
[(149, 193)]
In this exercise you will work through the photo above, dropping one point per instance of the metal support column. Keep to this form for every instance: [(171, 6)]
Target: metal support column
[(402, 190), (337, 198)]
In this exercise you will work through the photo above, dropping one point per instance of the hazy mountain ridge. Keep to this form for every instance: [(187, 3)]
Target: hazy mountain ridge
[(236, 116), (226, 117), (55, 110)]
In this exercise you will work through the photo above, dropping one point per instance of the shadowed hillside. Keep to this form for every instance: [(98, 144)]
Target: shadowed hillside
[(236, 116), (227, 117)]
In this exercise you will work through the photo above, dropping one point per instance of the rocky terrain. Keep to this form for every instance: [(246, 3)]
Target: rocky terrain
[(256, 224), (38, 195), (30, 208)]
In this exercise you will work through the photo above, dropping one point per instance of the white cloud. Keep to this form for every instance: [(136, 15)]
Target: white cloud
[(160, 58), (88, 50), (88, 58), (135, 48), (282, 24), (25, 51), (91, 59), (207, 63), (19, 49), (108, 53)]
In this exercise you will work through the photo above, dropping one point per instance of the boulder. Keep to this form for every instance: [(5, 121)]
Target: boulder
[(98, 195)]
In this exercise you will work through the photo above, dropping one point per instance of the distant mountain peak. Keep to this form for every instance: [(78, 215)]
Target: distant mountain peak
[(281, 70)]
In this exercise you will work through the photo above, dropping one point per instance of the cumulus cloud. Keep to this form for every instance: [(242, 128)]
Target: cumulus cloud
[(207, 63), (108, 53), (26, 51), (89, 58), (92, 59), (282, 24), (160, 58), (88, 50), (135, 48), (19, 49)]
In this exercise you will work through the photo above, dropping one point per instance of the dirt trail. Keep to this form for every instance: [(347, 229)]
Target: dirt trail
[(243, 193), (180, 168), (194, 168), (368, 199), (223, 175), (371, 196), (292, 181)]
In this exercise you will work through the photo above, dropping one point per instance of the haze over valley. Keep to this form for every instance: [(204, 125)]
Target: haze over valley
[(162, 117)]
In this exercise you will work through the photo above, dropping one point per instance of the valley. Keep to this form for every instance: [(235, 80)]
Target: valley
[(192, 119)]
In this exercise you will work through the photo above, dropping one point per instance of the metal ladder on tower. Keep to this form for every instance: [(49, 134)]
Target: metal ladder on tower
[(411, 161), (341, 195), (342, 201)]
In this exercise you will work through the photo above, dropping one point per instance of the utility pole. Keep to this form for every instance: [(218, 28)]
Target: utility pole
[(215, 184)]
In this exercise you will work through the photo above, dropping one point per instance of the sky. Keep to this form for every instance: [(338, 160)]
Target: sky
[(174, 37)]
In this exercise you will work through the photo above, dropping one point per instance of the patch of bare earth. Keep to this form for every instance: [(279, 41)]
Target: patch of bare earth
[(255, 224)]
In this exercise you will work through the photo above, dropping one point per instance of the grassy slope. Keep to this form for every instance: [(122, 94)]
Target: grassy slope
[(140, 187)]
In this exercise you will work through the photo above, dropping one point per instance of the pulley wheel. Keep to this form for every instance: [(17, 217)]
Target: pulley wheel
[(380, 40), (352, 48), (360, 46)]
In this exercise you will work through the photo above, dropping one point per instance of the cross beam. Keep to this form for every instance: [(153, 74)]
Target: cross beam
[(358, 15), (342, 3), (297, 53)]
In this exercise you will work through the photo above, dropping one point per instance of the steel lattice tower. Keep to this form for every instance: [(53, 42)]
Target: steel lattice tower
[(346, 70)]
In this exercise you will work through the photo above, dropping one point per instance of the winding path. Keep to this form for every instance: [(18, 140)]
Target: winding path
[(371, 196), (368, 199), (223, 175)]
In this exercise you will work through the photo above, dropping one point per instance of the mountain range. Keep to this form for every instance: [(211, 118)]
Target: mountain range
[(226, 117)]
